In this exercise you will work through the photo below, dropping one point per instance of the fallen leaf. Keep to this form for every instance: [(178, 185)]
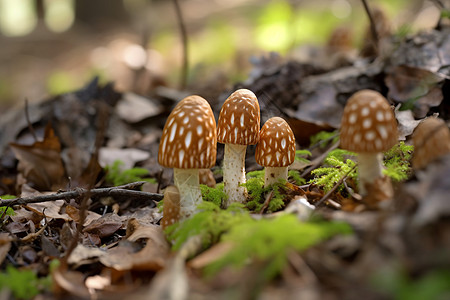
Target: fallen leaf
[(5, 245), (406, 123), (82, 252), (129, 157), (105, 225), (41, 162), (134, 108), (51, 209)]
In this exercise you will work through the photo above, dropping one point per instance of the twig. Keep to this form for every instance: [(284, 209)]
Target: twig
[(266, 203), (119, 191), (335, 187), (373, 27), (27, 116), (183, 32)]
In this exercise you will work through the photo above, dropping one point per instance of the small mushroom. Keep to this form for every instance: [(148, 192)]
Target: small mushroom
[(275, 150), (189, 143), (237, 127), (431, 140), (171, 207), (368, 128)]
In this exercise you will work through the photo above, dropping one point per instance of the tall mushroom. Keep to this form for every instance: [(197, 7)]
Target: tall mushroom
[(368, 128), (275, 150), (431, 140), (238, 126), (189, 143)]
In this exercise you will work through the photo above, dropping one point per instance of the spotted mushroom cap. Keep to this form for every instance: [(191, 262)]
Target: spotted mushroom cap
[(276, 147), (239, 119), (189, 138), (368, 123), (431, 140)]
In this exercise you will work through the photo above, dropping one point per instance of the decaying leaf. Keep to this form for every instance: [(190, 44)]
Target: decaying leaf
[(105, 226), (5, 245), (134, 108), (41, 163), (406, 123)]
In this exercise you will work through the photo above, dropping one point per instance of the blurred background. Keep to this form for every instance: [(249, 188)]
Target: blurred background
[(49, 47)]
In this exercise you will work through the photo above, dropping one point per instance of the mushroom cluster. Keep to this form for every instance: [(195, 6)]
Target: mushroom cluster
[(188, 145)]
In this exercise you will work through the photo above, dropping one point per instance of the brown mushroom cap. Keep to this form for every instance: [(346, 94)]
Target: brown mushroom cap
[(276, 146), (189, 136), (368, 123), (431, 140), (239, 119)]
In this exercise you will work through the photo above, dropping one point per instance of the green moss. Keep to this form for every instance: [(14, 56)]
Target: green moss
[(210, 223), (294, 176), (324, 138), (269, 241), (9, 210), (24, 284), (116, 176), (215, 195), (257, 193), (301, 154), (336, 166), (396, 161)]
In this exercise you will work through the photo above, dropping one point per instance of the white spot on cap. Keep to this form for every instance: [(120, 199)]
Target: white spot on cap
[(181, 155), (232, 119), (357, 138), (382, 131), (378, 143), (185, 120), (188, 139), (379, 116), (370, 135), (365, 111), (242, 120), (367, 123), (283, 143), (173, 130), (352, 118), (199, 129)]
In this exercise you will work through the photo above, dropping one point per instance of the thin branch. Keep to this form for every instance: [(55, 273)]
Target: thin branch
[(27, 116), (119, 191), (373, 27), (184, 40), (319, 159), (325, 197)]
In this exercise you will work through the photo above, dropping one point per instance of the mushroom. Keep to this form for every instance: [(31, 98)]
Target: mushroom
[(237, 127), (171, 207), (188, 143), (431, 140), (275, 150), (368, 128)]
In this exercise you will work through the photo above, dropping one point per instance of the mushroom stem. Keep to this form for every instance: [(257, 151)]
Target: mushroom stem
[(370, 167), (234, 173), (187, 182), (273, 174)]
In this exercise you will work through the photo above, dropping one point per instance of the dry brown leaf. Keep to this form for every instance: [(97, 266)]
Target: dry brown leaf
[(105, 225), (41, 162), (5, 245), (211, 255), (51, 209), (406, 123), (151, 257)]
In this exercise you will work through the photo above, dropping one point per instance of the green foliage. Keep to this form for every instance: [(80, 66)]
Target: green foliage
[(301, 154), (270, 240), (210, 223), (9, 210), (24, 284), (257, 193), (117, 176), (396, 161), (294, 175), (336, 167), (215, 195), (432, 285), (324, 138)]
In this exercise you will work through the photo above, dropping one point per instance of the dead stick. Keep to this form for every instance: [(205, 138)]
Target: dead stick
[(373, 27), (184, 39), (120, 191)]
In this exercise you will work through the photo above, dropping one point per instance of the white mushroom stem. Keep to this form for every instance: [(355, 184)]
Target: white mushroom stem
[(273, 174), (187, 182), (370, 167), (234, 173)]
